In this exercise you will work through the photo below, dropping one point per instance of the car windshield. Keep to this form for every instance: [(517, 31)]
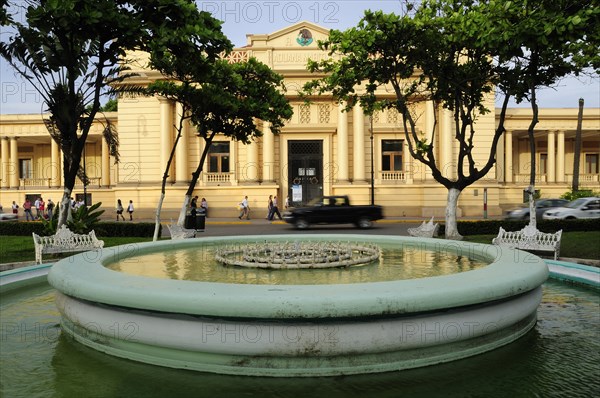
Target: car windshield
[(576, 203)]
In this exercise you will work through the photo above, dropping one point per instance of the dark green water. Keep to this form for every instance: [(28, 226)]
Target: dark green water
[(560, 357)]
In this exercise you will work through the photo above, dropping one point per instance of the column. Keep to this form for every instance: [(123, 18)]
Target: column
[(268, 164), (166, 142), (4, 151), (551, 166), (14, 164), (105, 178), (560, 156), (342, 144), (446, 142), (508, 160), (358, 154), (251, 168), (55, 159), (182, 174)]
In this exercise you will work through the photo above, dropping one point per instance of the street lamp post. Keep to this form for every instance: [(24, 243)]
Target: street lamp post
[(372, 171)]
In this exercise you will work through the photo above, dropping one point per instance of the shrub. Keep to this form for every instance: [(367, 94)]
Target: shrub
[(491, 227), (103, 229), (582, 193)]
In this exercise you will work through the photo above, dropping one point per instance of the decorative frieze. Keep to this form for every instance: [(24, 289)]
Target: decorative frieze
[(324, 113), (304, 114)]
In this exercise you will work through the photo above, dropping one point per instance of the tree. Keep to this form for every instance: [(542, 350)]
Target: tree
[(230, 100), (577, 155), (435, 54), (537, 44), (71, 52)]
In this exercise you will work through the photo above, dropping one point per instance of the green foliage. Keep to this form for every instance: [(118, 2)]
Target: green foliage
[(582, 193), (21, 228), (72, 52), (85, 219), (50, 224), (487, 227), (102, 228)]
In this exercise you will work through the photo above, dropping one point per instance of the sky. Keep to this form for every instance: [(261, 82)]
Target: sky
[(267, 16)]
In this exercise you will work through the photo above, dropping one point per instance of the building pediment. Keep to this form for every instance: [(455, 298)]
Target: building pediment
[(287, 49), (300, 35)]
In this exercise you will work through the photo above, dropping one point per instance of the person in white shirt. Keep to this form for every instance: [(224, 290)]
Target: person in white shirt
[(245, 209)]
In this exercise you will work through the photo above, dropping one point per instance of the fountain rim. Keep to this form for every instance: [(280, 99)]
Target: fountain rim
[(509, 273)]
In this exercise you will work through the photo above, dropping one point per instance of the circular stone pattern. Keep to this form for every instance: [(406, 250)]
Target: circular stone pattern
[(298, 255), (299, 330)]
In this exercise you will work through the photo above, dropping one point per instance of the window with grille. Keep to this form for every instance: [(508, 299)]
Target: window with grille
[(391, 155), (218, 157)]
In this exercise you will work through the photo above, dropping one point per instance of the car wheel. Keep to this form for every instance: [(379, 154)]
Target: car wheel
[(525, 217), (364, 223), (571, 218), (301, 223)]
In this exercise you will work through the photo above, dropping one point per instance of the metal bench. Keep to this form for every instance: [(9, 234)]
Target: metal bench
[(177, 232), (64, 241), (425, 230), (529, 238)]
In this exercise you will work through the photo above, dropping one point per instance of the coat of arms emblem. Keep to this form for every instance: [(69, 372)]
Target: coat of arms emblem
[(304, 37)]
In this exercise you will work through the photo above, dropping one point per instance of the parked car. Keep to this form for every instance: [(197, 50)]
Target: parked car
[(333, 210), (541, 206), (7, 216), (579, 208)]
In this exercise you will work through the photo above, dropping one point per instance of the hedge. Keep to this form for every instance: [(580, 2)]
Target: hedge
[(104, 228), (491, 227)]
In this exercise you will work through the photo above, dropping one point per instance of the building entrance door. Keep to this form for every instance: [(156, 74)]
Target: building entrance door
[(305, 172)]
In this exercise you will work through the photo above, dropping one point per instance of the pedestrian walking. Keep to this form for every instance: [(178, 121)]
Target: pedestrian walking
[(130, 210), (120, 210), (274, 210), (269, 207), (15, 208), (244, 208)]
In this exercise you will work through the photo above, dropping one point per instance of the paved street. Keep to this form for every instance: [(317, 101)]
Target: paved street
[(223, 227)]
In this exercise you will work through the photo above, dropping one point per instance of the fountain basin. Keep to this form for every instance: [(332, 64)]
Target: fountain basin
[(299, 330)]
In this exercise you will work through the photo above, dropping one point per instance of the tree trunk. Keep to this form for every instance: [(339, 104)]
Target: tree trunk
[(64, 209), (186, 202), (451, 223), (531, 196), (530, 134), (157, 216), (577, 149)]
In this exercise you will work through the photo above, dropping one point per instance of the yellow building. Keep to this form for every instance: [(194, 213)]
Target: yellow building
[(321, 151)]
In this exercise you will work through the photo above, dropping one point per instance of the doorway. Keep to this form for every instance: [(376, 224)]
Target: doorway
[(305, 171)]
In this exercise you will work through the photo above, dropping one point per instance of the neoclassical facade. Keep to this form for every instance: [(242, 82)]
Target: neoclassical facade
[(322, 150)]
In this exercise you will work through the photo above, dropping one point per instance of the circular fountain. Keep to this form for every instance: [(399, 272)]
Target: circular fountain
[(298, 329)]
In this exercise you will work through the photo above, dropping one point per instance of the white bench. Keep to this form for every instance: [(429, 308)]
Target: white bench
[(177, 232), (64, 241), (529, 238), (425, 230)]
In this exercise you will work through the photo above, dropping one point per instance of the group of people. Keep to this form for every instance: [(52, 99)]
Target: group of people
[(120, 210), (272, 208), (194, 206), (42, 209)]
